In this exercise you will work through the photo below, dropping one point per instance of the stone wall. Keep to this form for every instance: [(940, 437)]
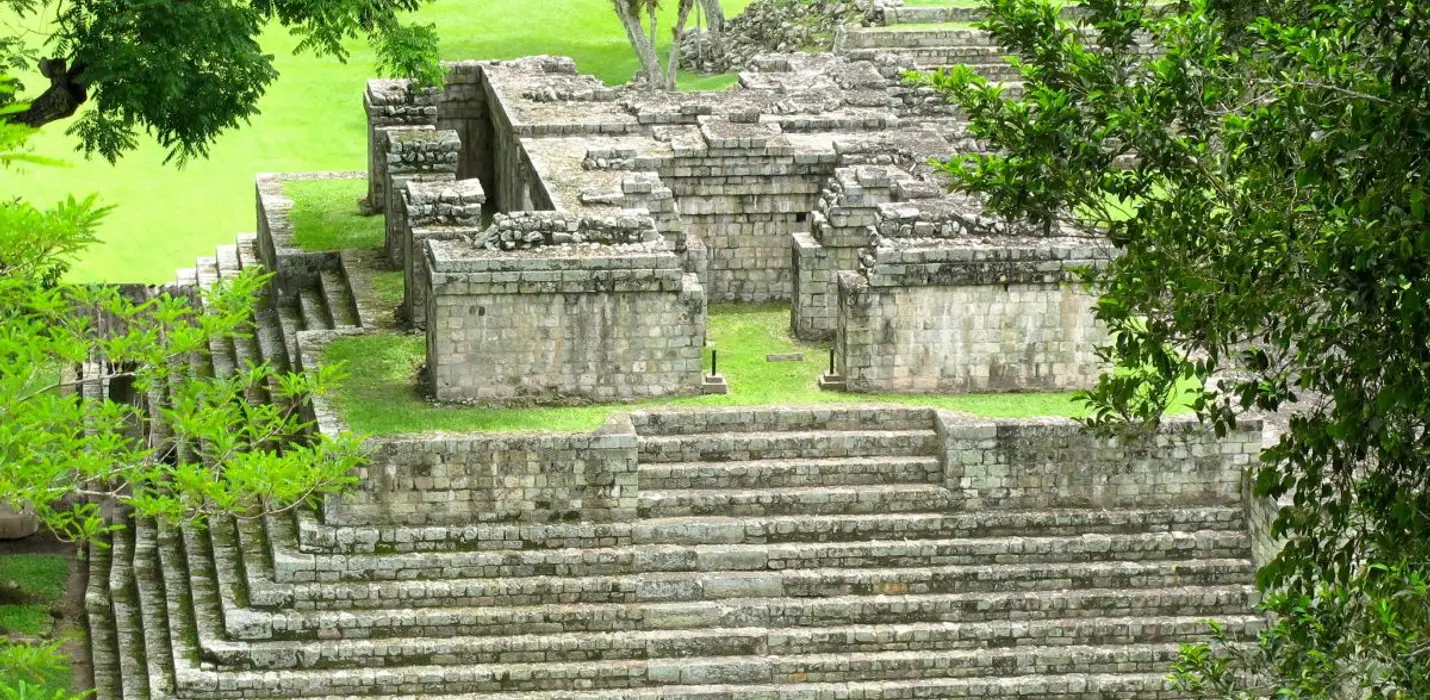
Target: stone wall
[(847, 208), (416, 154), (1035, 464), (513, 477), (391, 104), (946, 300), (986, 465), (463, 109), (554, 308), (1261, 516), (436, 210)]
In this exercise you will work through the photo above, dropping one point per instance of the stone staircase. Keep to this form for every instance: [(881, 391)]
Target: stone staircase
[(928, 48), (776, 554)]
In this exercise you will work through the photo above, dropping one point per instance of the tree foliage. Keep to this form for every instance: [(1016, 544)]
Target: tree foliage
[(1264, 175), (186, 442), (187, 71)]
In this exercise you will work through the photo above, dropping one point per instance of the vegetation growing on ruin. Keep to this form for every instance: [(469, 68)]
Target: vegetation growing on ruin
[(32, 589), (31, 586), (380, 394), (325, 215)]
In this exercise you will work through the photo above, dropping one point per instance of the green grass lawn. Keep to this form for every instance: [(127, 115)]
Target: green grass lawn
[(380, 397), (41, 579), (312, 120), (27, 613), (325, 215)]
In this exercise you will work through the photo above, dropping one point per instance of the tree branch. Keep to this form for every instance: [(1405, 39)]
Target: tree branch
[(61, 100)]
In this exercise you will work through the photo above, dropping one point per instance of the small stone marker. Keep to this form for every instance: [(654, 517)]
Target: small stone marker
[(785, 357), (714, 384)]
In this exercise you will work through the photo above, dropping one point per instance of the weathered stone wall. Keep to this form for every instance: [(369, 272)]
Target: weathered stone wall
[(439, 210), (1261, 515), (965, 333), (561, 309), (474, 478), (391, 104), (847, 208), (1055, 463), (462, 108), (948, 300), (418, 154)]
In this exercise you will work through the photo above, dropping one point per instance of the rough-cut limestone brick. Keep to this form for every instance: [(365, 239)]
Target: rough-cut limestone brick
[(946, 300), (441, 210), (414, 154), (553, 308), (389, 104)]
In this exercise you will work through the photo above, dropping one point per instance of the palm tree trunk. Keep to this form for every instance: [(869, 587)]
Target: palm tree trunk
[(673, 64), (714, 15), (629, 13)]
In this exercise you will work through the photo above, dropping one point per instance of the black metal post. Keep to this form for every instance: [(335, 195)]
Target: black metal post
[(831, 361), (714, 362)]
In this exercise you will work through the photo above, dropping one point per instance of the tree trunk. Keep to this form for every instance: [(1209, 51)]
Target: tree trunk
[(714, 15), (672, 68), (59, 101), (629, 12)]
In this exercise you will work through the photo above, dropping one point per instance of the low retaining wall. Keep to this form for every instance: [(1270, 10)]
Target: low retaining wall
[(988, 464), (513, 477), (1035, 464), (559, 322), (277, 246)]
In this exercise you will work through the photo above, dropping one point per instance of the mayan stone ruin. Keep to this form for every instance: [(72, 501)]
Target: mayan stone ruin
[(561, 241)]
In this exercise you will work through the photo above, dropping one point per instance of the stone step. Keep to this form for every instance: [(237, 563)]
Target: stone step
[(742, 447), (698, 585), (202, 680), (222, 356), (162, 608), (316, 537), (246, 350), (861, 471), (105, 670), (314, 310), (129, 620), (654, 673), (791, 500), (1211, 601), (290, 319), (292, 566), (228, 262), (746, 641), (339, 298), (952, 41), (991, 67), (269, 333), (757, 420), (1078, 686), (249, 256)]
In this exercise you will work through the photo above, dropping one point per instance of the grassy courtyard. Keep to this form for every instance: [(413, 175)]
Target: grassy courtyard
[(380, 395), (312, 120), (33, 593)]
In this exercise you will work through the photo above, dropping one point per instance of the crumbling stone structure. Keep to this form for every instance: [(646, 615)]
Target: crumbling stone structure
[(547, 306), (945, 302), (764, 193), (560, 240)]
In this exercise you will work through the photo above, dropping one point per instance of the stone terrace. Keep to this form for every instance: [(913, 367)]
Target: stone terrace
[(743, 554)]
